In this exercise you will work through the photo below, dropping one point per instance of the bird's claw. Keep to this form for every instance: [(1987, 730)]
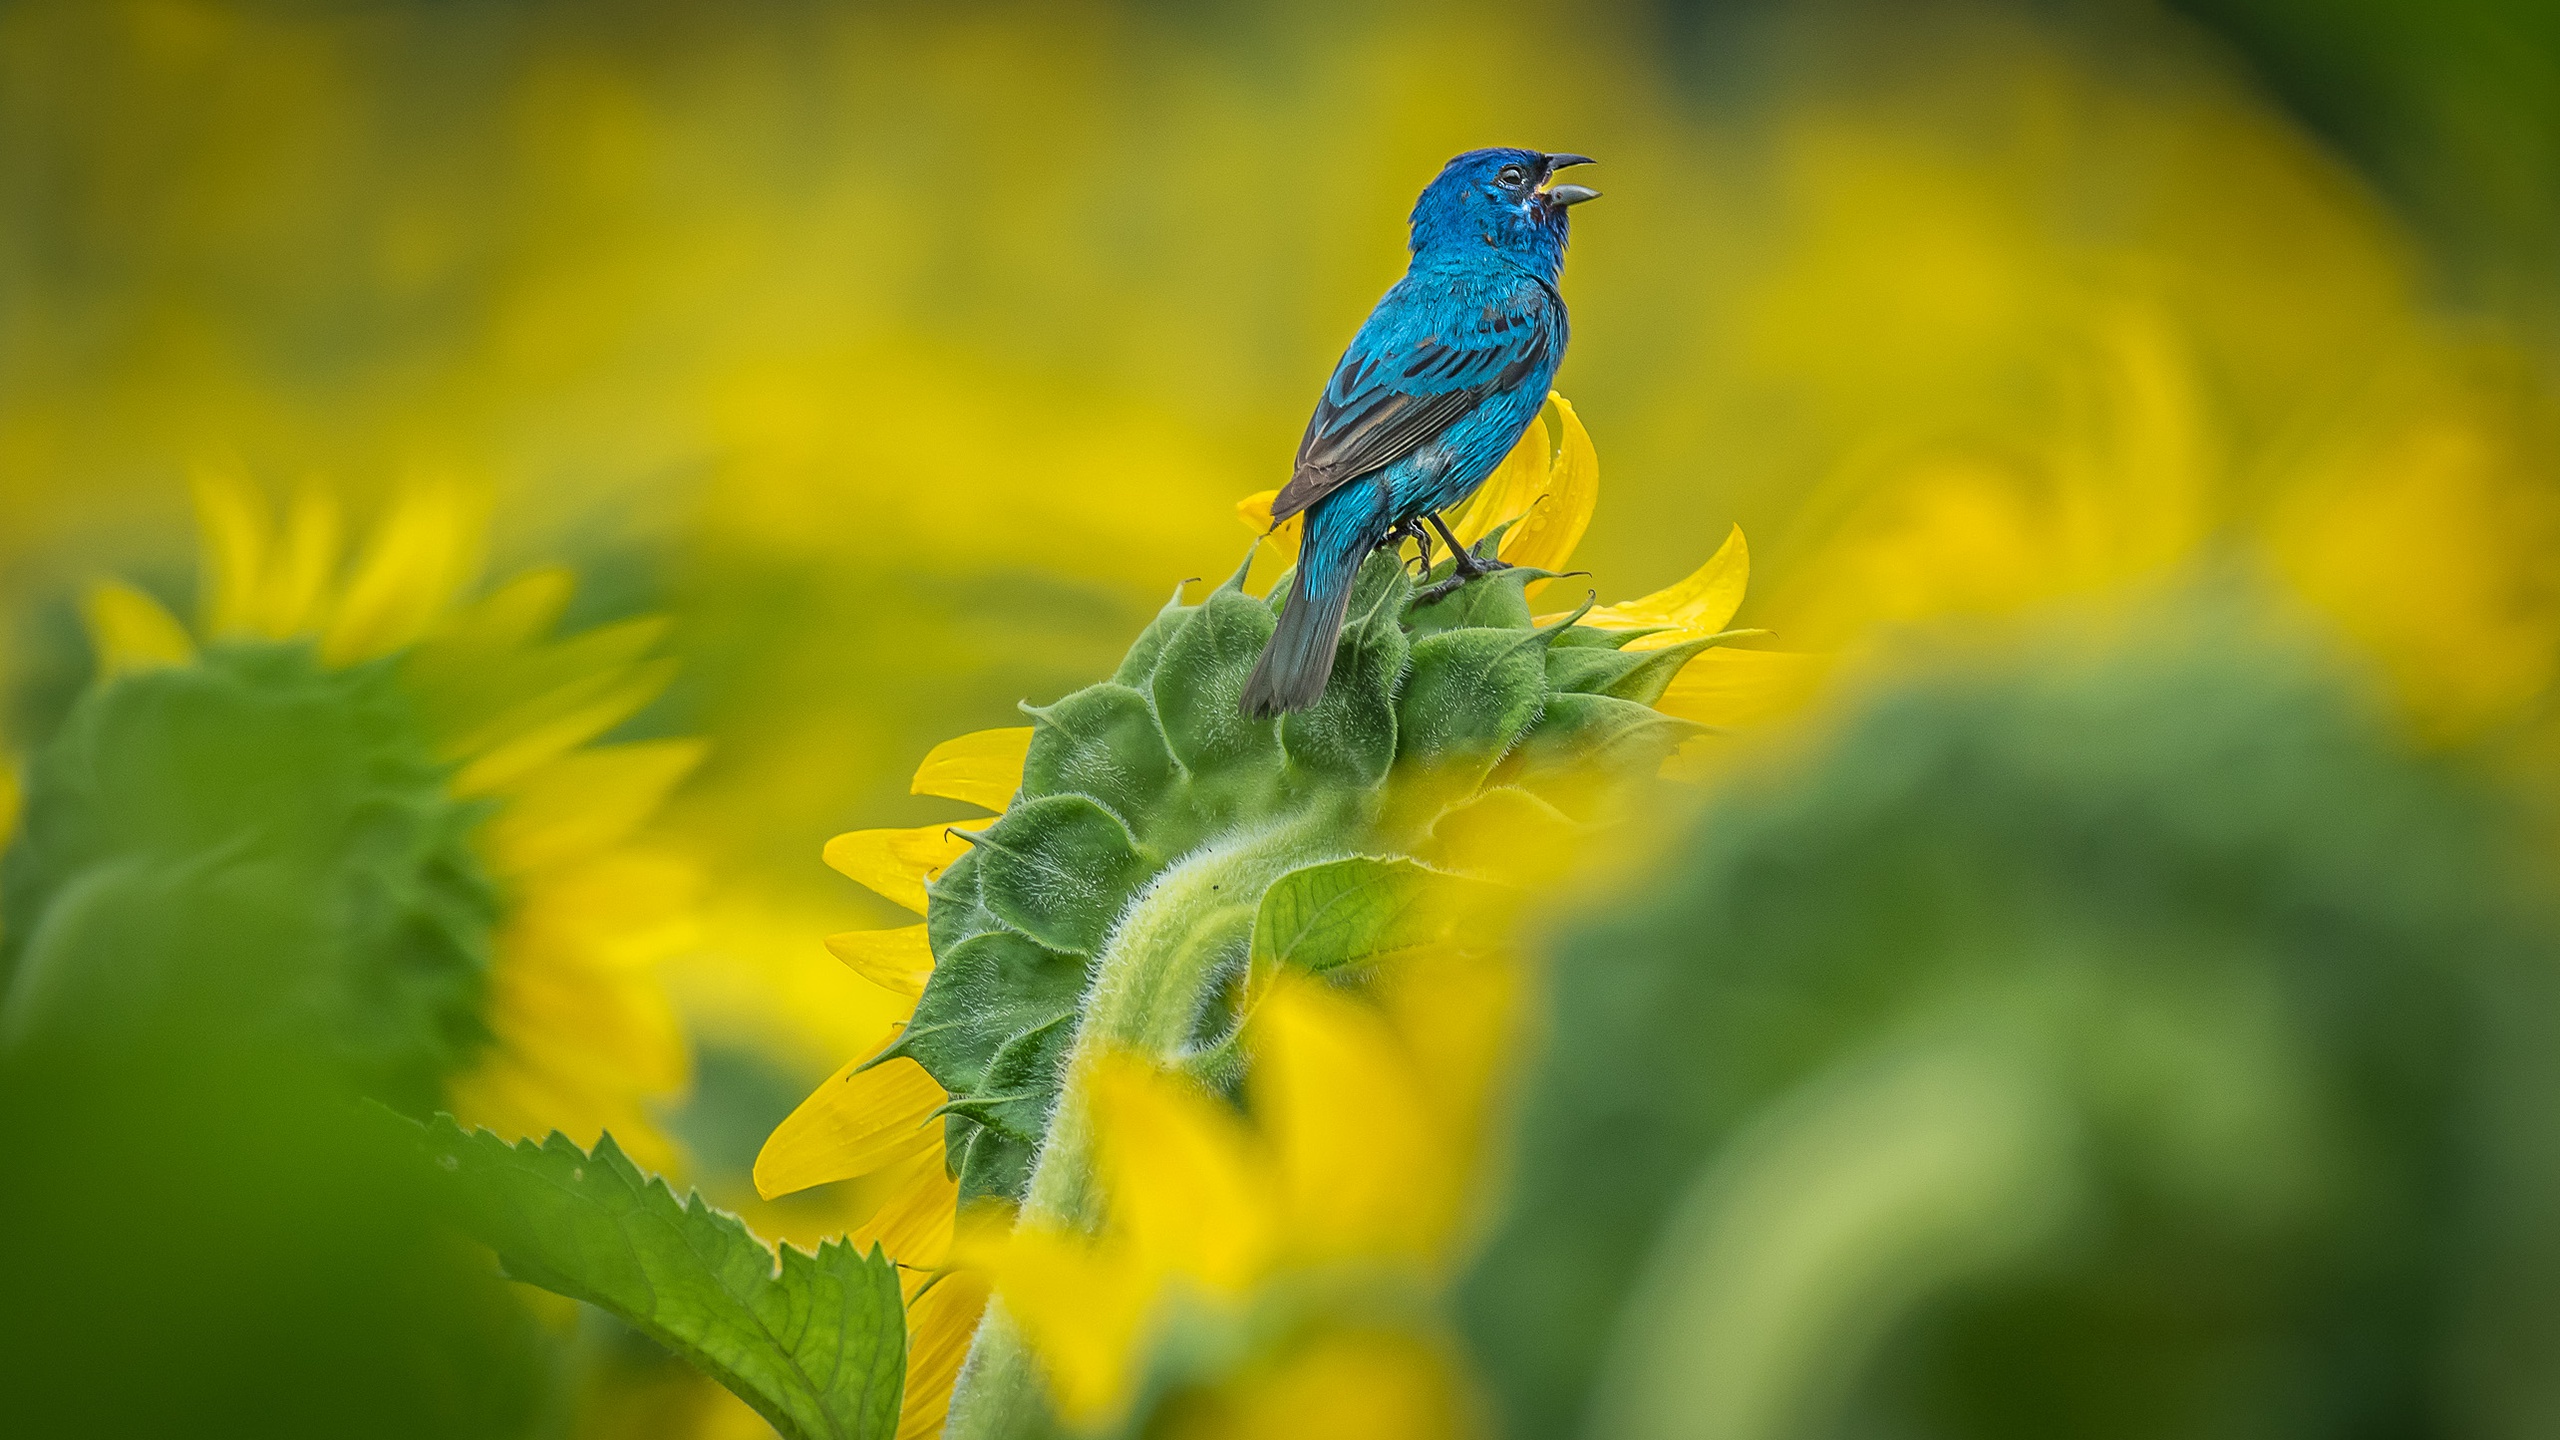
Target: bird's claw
[(1468, 567)]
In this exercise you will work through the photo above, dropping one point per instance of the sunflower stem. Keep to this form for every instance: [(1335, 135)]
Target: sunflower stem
[(1154, 985)]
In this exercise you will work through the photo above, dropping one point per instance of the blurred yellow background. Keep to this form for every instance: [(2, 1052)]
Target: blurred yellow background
[(907, 356)]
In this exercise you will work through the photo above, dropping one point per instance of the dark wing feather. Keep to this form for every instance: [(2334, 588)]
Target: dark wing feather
[(1385, 402)]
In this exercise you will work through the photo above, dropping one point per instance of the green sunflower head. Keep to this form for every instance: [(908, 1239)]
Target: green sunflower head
[(1323, 838)]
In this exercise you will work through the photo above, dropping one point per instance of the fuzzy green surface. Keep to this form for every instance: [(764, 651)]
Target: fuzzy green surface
[(1126, 880)]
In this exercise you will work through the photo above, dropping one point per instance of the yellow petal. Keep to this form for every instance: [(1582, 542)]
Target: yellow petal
[(913, 1226), (983, 767), (628, 907), (1458, 1017), (1186, 1190), (471, 648), (1364, 1170), (132, 631), (1255, 511), (1342, 1382), (896, 864), (1509, 491), (1698, 606), (1724, 686), (585, 802), (291, 594), (1080, 1307), (421, 556), (899, 960), (1503, 833), (11, 797), (1551, 531), (233, 520), (859, 1121), (613, 701), (940, 1324), (483, 708)]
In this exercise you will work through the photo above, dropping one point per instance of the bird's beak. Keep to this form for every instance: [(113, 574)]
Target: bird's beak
[(1560, 196)]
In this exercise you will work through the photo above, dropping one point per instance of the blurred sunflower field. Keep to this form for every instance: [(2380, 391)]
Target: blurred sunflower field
[(625, 813)]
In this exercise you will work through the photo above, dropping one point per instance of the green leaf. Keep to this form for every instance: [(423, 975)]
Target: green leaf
[(1593, 638), (1469, 694), (818, 1345), (991, 1163), (1498, 601), (1059, 869), (1346, 912), (955, 905), (1583, 737), (1348, 737), (1198, 683), (1102, 741), (985, 991), (1140, 662), (1638, 675), (1021, 1082)]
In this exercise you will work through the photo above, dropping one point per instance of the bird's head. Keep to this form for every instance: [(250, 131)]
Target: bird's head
[(1500, 198)]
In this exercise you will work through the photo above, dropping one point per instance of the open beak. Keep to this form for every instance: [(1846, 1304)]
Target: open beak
[(1561, 196)]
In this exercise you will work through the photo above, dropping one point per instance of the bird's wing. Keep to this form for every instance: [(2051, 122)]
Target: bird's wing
[(1390, 396)]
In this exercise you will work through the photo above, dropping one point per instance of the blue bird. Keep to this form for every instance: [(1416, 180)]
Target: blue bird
[(1436, 388)]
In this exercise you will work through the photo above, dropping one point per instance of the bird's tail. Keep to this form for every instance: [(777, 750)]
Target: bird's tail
[(1294, 667)]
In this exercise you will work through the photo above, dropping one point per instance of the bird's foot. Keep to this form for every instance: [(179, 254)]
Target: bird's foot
[(1467, 567), (1412, 530)]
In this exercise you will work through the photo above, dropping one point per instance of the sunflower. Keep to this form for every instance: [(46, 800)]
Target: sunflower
[(572, 1031), (1244, 1205)]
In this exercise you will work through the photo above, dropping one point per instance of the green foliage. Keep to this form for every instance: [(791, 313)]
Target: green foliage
[(1293, 841), (241, 898), (305, 807), (1358, 910), (816, 1343), (2134, 1044)]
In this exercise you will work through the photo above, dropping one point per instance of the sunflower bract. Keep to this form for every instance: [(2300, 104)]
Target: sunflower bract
[(1154, 784)]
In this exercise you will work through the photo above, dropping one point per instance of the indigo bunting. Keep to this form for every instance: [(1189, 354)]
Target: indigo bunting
[(1436, 388)]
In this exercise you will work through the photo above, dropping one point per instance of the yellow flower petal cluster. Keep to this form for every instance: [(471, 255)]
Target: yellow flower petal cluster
[(869, 1119), (585, 1038), (1359, 1152)]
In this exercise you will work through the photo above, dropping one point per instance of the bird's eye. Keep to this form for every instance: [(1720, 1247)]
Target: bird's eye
[(1512, 175)]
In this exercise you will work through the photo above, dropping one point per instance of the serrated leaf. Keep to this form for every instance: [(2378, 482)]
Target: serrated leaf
[(816, 1343), (1360, 909), (1059, 869)]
